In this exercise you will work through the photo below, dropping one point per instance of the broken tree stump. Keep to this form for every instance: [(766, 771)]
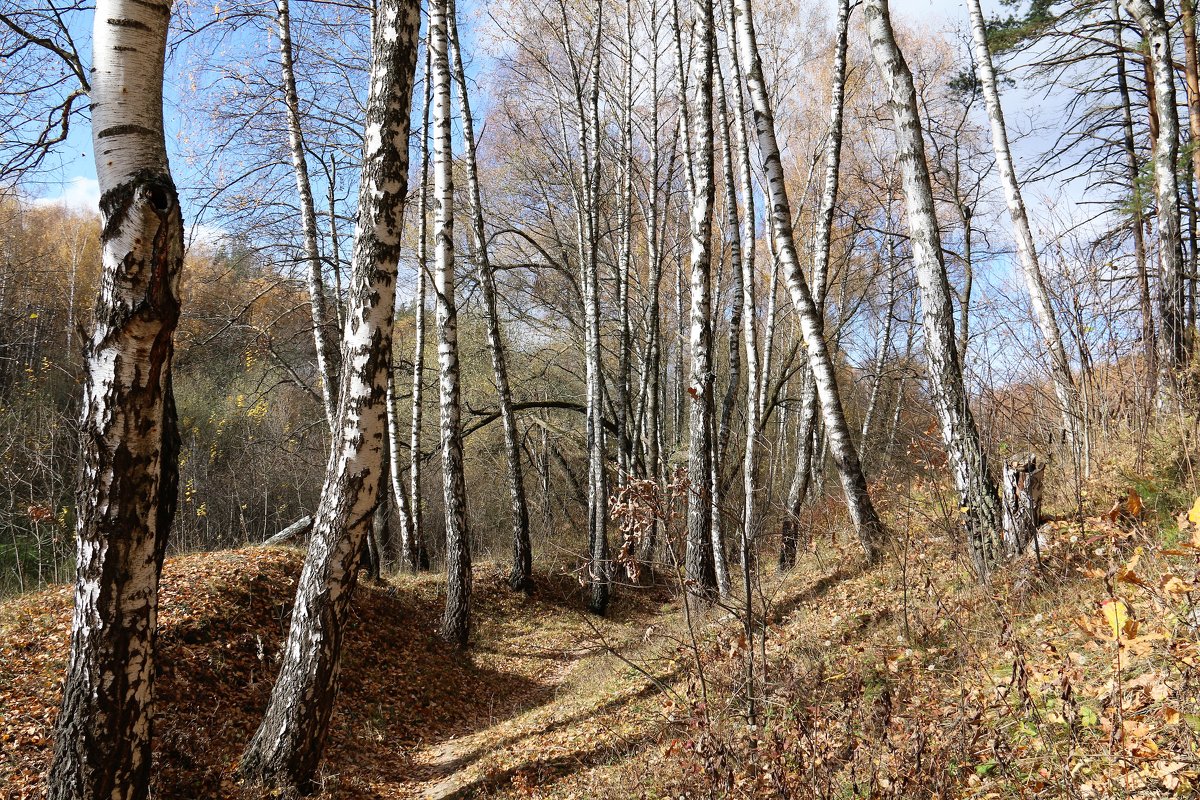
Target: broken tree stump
[(1022, 499)]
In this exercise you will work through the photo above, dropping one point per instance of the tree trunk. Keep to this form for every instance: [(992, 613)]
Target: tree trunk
[(301, 527), (700, 568), (866, 521), (1173, 356), (1035, 282), (326, 345), (750, 479), (395, 480), (521, 576), (1022, 502), (456, 621), (130, 442), (286, 749), (959, 434), (416, 552), (1146, 304), (624, 264), (885, 341), (1192, 84)]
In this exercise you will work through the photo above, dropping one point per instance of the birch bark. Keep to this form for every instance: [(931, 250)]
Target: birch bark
[(1035, 282), (326, 345), (700, 568), (456, 619), (968, 463), (866, 521), (521, 576), (286, 748), (130, 442), (1173, 345)]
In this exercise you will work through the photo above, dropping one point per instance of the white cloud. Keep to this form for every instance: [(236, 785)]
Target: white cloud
[(201, 233), (78, 194)]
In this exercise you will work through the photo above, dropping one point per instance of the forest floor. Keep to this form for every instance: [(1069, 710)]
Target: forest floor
[(1078, 678)]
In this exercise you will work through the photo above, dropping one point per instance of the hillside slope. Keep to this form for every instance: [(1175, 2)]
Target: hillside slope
[(1080, 678), (408, 702)]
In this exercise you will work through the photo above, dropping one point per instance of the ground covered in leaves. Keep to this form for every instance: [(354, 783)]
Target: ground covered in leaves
[(1074, 673)]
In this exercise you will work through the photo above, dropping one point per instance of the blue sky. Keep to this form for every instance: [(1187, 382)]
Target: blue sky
[(72, 180)]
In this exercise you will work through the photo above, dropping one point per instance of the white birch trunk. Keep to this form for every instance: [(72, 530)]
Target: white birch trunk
[(325, 344), (968, 463), (751, 488), (286, 748), (456, 619), (520, 578), (416, 551), (1173, 356), (700, 568), (1035, 282), (130, 442), (866, 521)]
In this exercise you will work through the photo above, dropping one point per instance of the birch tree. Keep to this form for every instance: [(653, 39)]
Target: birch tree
[(521, 576), (700, 566), (964, 450), (286, 748), (1035, 282), (751, 487), (326, 346), (1172, 331), (415, 551), (130, 440), (457, 617), (866, 521)]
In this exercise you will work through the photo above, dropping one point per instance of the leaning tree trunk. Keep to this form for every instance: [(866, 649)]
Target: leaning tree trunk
[(326, 345), (285, 750), (520, 578), (959, 434), (700, 567), (1035, 282), (870, 529), (130, 440), (1173, 345), (456, 621)]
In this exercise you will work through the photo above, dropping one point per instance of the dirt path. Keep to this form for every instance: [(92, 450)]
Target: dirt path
[(590, 707)]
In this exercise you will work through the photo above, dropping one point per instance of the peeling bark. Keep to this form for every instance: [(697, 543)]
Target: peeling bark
[(129, 471)]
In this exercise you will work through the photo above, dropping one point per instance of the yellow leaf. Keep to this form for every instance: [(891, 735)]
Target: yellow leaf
[(1194, 513), (1170, 715), (1116, 613)]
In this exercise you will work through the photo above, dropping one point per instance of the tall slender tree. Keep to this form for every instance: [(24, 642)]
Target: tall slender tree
[(415, 552), (1035, 281), (700, 566), (521, 576), (1172, 331), (968, 463), (456, 621), (870, 529), (326, 345), (286, 748)]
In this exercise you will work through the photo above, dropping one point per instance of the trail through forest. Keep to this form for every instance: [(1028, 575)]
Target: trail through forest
[(543, 693)]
